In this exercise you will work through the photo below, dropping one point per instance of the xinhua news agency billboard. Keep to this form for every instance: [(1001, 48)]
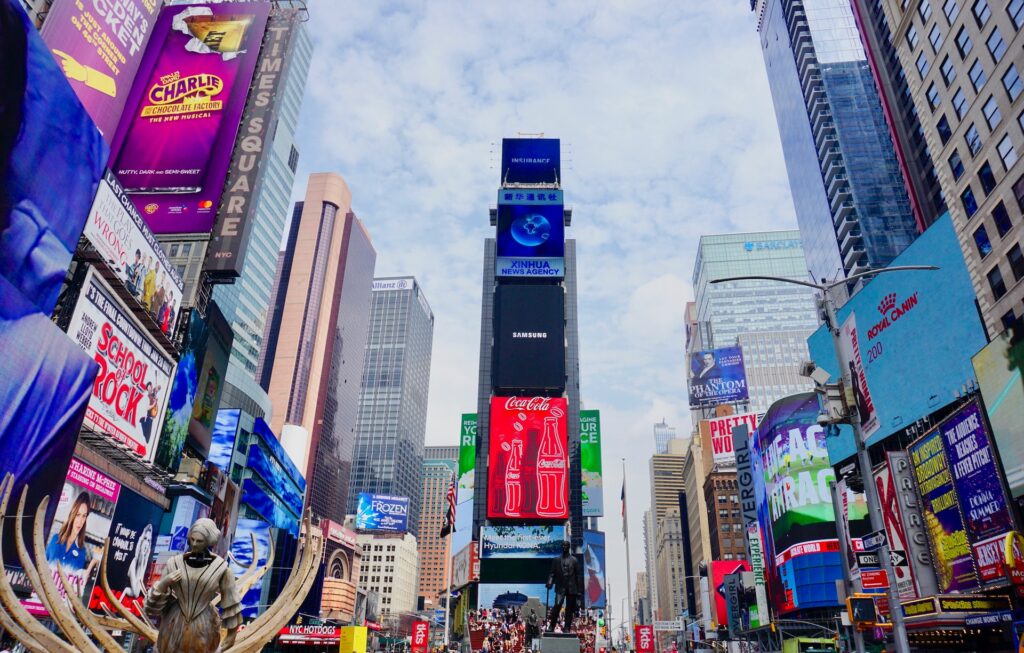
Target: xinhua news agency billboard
[(590, 463), (531, 161), (717, 376), (909, 337), (382, 512), (173, 145), (531, 234)]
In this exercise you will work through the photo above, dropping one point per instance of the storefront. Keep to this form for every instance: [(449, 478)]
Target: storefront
[(959, 622)]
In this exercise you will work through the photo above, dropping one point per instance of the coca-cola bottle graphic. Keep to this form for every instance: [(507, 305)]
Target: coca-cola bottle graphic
[(513, 477), (551, 500)]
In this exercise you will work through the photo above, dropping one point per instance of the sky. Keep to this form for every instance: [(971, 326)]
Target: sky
[(667, 133)]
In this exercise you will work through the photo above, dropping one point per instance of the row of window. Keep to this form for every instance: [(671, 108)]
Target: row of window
[(995, 43)]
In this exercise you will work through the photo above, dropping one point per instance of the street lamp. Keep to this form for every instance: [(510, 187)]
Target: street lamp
[(863, 459)]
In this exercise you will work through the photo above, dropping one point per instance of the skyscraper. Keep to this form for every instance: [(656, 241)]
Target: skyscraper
[(392, 417), (439, 464), (666, 483), (662, 434), (848, 191), (321, 338)]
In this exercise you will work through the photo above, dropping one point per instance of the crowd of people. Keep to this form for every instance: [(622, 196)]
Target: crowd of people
[(505, 630)]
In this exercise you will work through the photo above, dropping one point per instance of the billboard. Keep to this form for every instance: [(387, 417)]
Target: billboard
[(467, 457), (645, 640), (893, 311), (48, 143), (539, 541), (531, 161), (130, 391), (998, 367), (127, 245), (529, 337), (246, 172), (951, 550), (719, 570), (211, 380), (849, 343), (716, 436), (528, 464), (382, 512), (590, 463), (177, 134), (717, 376), (466, 566), (419, 641), (594, 570), (896, 533), (225, 432), (183, 394), (100, 45), (530, 240), (242, 555), (508, 595)]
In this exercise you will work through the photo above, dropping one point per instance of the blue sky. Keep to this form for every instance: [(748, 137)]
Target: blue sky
[(667, 133)]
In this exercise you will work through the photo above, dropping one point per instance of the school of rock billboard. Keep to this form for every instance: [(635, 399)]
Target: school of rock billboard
[(528, 464), (134, 379)]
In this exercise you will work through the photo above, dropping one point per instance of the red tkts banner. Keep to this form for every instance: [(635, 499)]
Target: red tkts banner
[(420, 636), (644, 638), (528, 466)]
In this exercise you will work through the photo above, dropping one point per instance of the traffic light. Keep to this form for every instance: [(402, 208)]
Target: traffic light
[(861, 609)]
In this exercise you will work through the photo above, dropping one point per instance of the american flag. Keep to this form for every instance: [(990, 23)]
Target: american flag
[(449, 515)]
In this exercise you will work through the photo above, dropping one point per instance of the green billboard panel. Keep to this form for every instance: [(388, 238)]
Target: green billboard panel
[(467, 456), (590, 463)]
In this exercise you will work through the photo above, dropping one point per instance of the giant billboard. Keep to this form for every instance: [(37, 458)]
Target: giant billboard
[(212, 377), (100, 45), (594, 589), (717, 376), (998, 367), (174, 430), (382, 512), (717, 439), (467, 457), (590, 463), (531, 161), (466, 566), (528, 463), (134, 379), (530, 240), (537, 541), (176, 137), (893, 312), (529, 337)]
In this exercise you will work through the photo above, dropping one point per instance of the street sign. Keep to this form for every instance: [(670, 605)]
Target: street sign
[(669, 626), (439, 615), (897, 558), (873, 579), (875, 540), (868, 559)]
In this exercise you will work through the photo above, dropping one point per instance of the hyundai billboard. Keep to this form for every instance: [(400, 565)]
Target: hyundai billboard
[(528, 463), (915, 335), (717, 376), (531, 161), (529, 337), (531, 234), (537, 541), (177, 134), (382, 512)]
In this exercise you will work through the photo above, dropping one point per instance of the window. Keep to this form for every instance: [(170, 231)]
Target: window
[(956, 166), (912, 39), (982, 242), (924, 10), (935, 37), (1001, 218), (1016, 260), (970, 204), (981, 12), (977, 75), (1011, 81), (174, 251), (1006, 152), (1016, 11), (948, 71), (959, 103), (995, 282), (933, 96), (952, 10), (922, 63), (963, 43), (991, 111), (996, 45), (973, 139), (944, 131), (986, 177)]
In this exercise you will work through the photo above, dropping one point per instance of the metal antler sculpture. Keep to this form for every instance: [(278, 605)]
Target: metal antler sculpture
[(86, 632)]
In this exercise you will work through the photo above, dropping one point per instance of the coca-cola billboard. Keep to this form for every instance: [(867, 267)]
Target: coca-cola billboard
[(528, 465)]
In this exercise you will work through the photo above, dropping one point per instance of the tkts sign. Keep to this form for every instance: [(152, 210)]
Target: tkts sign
[(420, 637), (644, 638), (528, 468)]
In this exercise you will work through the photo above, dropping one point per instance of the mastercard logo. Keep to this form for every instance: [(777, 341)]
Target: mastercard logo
[(206, 204), (151, 208)]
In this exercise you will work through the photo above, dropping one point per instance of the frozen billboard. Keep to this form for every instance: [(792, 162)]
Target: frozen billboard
[(717, 376), (382, 512), (174, 143), (590, 463)]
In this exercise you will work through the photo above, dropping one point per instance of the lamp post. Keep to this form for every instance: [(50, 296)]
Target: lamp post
[(863, 458)]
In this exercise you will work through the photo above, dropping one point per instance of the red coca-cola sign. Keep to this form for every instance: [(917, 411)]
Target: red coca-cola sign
[(528, 464), (420, 637), (644, 638)]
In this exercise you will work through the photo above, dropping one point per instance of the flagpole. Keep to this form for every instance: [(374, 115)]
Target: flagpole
[(448, 589), (625, 533)]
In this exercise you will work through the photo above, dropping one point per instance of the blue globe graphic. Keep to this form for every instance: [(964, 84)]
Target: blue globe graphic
[(531, 230)]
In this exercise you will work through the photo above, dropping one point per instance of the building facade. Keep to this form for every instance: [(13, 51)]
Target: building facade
[(321, 338), (388, 567), (847, 186), (392, 417), (439, 465), (698, 527), (728, 535), (649, 562), (964, 60), (666, 484), (662, 434)]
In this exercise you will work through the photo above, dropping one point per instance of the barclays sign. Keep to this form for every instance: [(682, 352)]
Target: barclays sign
[(761, 245)]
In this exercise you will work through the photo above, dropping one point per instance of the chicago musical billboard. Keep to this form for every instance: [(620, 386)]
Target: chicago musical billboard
[(528, 463), (530, 240), (529, 337)]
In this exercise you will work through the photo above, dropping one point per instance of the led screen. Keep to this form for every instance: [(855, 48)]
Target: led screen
[(530, 240), (382, 512), (529, 337), (717, 376), (530, 161)]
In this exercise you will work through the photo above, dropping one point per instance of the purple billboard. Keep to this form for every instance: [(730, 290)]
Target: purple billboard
[(174, 143), (99, 45)]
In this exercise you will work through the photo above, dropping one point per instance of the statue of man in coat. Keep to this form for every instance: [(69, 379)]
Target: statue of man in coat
[(567, 578)]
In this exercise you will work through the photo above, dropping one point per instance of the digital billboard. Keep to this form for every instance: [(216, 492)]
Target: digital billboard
[(594, 570), (499, 596), (51, 162), (122, 239), (716, 436), (466, 566), (998, 367), (382, 512), (719, 570), (530, 240), (531, 161), (467, 457), (528, 463), (529, 337), (717, 376), (242, 555), (131, 389), (99, 45), (212, 377), (893, 313), (225, 432), (183, 394), (174, 143), (538, 541), (590, 463)]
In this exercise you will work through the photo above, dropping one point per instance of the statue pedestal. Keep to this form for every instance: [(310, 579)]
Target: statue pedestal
[(558, 643)]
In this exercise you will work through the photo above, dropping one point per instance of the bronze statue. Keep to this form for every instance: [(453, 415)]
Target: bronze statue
[(183, 597), (567, 577)]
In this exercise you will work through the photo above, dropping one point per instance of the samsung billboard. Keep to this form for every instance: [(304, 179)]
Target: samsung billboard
[(529, 337), (531, 234), (382, 512), (530, 161)]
